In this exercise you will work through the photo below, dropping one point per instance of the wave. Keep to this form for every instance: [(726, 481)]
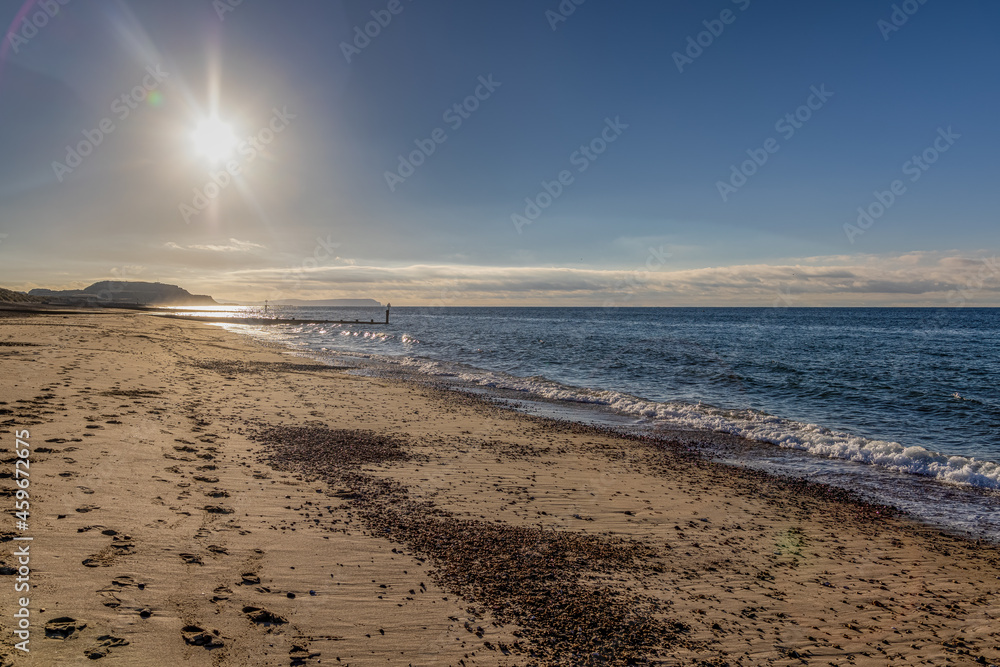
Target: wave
[(748, 423), (751, 424)]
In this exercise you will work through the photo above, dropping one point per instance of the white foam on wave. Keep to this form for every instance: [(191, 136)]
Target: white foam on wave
[(751, 424)]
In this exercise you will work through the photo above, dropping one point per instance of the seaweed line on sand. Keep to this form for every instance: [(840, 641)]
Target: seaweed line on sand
[(229, 367), (526, 575)]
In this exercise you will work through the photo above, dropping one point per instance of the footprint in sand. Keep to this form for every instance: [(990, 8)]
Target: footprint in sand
[(263, 616), (222, 592), (196, 636), (63, 627), (125, 580), (118, 589), (106, 643), (121, 545), (299, 654)]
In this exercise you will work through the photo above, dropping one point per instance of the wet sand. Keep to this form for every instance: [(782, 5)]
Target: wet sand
[(197, 497)]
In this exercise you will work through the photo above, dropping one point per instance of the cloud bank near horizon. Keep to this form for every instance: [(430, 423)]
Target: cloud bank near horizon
[(922, 278)]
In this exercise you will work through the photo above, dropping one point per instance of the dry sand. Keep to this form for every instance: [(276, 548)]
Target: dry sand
[(383, 523)]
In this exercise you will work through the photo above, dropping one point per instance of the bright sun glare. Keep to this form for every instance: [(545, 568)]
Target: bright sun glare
[(214, 139)]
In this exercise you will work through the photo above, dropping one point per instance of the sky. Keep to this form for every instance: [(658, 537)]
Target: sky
[(515, 152)]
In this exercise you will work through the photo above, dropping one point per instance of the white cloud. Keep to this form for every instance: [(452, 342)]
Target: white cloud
[(234, 245), (905, 279)]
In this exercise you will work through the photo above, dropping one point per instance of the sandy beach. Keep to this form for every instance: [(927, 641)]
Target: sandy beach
[(199, 498)]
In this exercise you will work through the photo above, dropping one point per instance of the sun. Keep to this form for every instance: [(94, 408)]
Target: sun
[(214, 139)]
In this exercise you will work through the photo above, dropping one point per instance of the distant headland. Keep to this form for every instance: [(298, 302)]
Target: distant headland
[(121, 292), (138, 293)]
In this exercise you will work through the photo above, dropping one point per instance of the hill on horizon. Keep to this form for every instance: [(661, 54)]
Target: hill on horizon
[(127, 292)]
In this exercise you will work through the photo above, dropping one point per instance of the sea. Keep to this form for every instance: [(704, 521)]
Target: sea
[(901, 405)]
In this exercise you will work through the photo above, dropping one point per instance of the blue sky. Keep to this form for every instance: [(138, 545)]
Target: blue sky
[(641, 218)]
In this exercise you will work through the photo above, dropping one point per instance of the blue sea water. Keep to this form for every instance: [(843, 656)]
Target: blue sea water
[(900, 404)]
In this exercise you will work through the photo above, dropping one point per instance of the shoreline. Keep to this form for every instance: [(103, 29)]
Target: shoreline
[(155, 447), (939, 437), (960, 509)]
